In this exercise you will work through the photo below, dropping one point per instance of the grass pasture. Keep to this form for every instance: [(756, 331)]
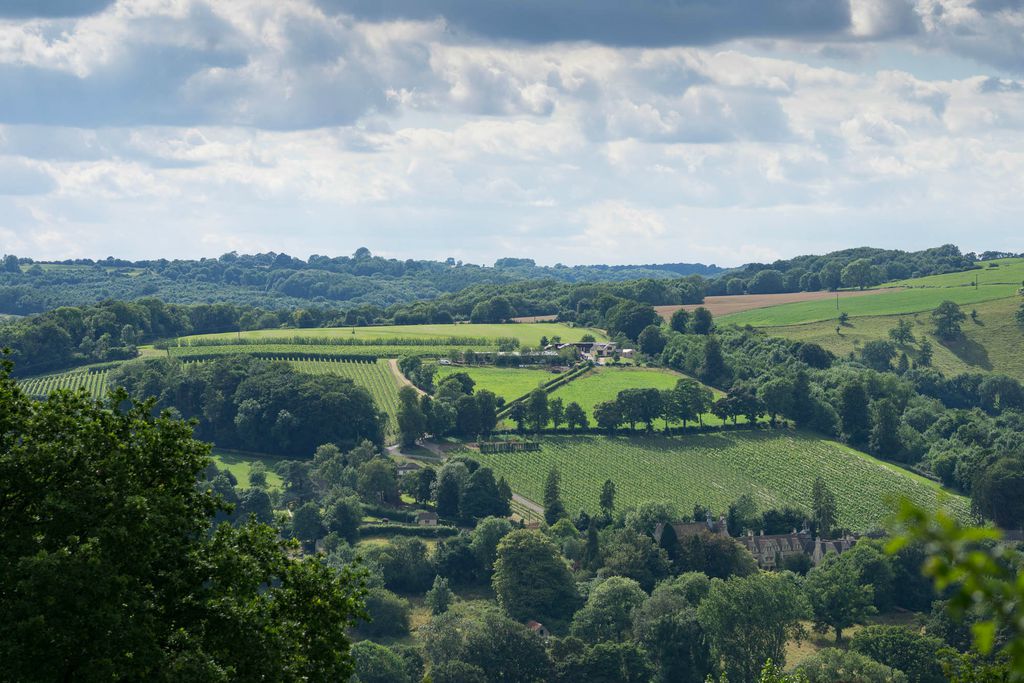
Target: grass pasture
[(995, 343), (509, 383), (528, 334), (605, 383), (240, 463), (892, 302), (1001, 271), (318, 350), (714, 469)]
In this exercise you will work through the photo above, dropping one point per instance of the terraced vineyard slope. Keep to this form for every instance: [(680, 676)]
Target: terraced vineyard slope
[(777, 468), (375, 376), (93, 380)]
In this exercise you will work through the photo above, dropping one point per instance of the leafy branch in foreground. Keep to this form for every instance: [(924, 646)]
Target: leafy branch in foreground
[(981, 574)]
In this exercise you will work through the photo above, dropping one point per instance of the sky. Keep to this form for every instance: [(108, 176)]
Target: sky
[(568, 131)]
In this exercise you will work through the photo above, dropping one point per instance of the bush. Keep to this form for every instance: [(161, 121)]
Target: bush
[(389, 614)]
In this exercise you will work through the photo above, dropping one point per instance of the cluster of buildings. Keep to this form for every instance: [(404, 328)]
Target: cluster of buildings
[(769, 550), (594, 351)]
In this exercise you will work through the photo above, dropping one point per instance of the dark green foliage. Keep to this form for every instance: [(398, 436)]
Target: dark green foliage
[(456, 561), (899, 647), (404, 564), (306, 525), (412, 423), (554, 509), (343, 517), (487, 641), (652, 340), (448, 495), (823, 508), (575, 417), (608, 612), (713, 370), (746, 638), (480, 496), (948, 318), (378, 664), (532, 581), (680, 320), (605, 663), (839, 599), (878, 355), (439, 598), (702, 322), (715, 555), (667, 627), (996, 493), (634, 555), (115, 541), (629, 318), (854, 413), (885, 421), (388, 615), (266, 406)]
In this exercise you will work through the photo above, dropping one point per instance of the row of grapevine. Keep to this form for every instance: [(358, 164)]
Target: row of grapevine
[(375, 376), (93, 381), (384, 351), (714, 469)]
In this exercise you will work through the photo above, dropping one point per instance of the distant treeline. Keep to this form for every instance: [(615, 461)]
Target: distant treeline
[(276, 281), (861, 267)]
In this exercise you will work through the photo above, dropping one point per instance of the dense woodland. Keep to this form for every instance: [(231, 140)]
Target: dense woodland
[(276, 281)]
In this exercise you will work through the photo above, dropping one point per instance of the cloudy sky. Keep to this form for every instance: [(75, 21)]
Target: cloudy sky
[(574, 131)]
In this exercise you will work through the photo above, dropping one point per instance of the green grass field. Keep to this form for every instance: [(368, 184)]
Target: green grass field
[(884, 303), (376, 377), (528, 334), (94, 381), (993, 344), (386, 351), (1002, 271), (509, 383), (714, 469), (604, 384), (240, 463)]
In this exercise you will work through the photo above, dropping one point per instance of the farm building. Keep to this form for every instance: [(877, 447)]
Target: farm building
[(538, 628), (407, 468), (426, 518)]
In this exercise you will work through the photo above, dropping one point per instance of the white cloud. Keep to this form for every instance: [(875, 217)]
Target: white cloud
[(180, 127)]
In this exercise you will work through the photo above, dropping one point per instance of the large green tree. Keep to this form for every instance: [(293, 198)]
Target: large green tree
[(532, 581), (608, 612), (109, 570), (948, 318), (483, 638), (749, 620), (838, 598)]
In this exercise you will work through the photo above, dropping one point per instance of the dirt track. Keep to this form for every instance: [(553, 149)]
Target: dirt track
[(724, 305)]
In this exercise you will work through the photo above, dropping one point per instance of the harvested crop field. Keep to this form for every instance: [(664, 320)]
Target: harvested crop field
[(725, 305)]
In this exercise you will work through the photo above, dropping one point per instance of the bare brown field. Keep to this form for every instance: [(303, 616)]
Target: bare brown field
[(724, 305)]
